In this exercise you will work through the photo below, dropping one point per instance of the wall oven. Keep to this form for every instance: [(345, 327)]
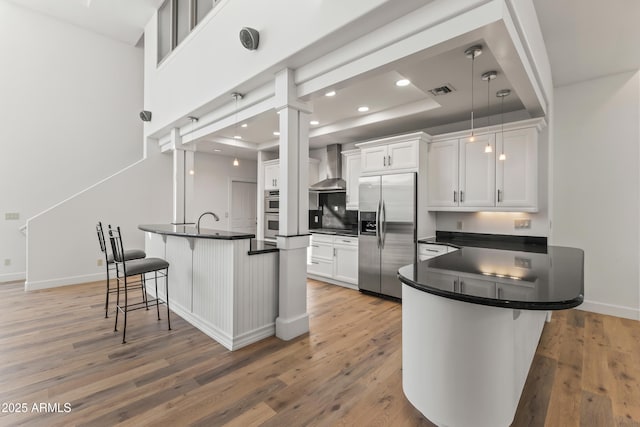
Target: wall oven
[(272, 201), (271, 225)]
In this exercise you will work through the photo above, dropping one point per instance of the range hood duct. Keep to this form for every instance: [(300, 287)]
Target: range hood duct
[(334, 182)]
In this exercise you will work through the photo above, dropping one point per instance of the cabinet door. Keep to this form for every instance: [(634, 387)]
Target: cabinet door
[(320, 267), (374, 159), (271, 176), (517, 174), (442, 172), (477, 172), (477, 287), (403, 155), (352, 168), (345, 263)]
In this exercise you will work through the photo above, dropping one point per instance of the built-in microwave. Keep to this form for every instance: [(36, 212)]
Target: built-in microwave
[(271, 225), (272, 201)]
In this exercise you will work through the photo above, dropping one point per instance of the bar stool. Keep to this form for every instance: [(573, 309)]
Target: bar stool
[(125, 269), (110, 265)]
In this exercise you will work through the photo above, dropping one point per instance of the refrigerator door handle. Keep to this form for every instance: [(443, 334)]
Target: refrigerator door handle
[(378, 225), (384, 225)]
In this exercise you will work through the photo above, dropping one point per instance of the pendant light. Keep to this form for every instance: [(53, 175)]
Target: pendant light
[(488, 76), (502, 94), (236, 96), (472, 53)]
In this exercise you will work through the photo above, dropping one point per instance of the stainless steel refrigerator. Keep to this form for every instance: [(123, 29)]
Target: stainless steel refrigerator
[(387, 231)]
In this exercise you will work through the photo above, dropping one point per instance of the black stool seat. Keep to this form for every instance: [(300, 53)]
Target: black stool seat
[(129, 255), (146, 265)]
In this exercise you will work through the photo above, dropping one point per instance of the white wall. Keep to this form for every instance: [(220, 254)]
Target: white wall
[(62, 245), (211, 62), (596, 200), (69, 106), (212, 180)]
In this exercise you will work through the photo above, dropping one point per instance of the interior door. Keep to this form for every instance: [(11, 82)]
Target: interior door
[(243, 215), (398, 232)]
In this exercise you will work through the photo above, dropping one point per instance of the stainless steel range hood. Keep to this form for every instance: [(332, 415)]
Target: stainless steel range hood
[(333, 182)]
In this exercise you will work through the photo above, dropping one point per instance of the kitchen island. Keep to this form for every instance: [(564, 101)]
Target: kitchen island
[(471, 322), (223, 283)]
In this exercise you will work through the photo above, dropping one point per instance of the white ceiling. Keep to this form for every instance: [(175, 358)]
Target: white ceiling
[(122, 20), (588, 39)]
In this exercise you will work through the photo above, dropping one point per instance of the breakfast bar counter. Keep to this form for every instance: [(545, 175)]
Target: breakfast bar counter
[(471, 322), (224, 283)]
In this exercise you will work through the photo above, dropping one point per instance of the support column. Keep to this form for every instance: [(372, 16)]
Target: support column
[(183, 177), (293, 319)]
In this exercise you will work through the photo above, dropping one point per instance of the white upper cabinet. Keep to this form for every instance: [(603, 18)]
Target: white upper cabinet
[(271, 174), (477, 171), (442, 170), (516, 175), (351, 174), (464, 177), (384, 156)]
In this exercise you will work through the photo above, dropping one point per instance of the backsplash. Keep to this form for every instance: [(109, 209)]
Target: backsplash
[(332, 213)]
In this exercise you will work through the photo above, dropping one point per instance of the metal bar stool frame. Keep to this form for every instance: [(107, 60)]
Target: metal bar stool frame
[(146, 265), (110, 265)]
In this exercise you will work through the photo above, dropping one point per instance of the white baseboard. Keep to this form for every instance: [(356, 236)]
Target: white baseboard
[(288, 329), (12, 277), (332, 281), (31, 285), (610, 309)]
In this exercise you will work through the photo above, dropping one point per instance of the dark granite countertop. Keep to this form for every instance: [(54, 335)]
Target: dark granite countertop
[(335, 232), (261, 247), (191, 231), (495, 241), (549, 280)]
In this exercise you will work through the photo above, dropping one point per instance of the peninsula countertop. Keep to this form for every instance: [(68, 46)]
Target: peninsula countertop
[(553, 280), (192, 231)]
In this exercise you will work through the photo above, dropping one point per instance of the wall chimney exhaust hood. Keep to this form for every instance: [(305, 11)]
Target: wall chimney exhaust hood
[(334, 182)]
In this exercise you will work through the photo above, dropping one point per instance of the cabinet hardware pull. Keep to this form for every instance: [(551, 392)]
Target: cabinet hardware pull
[(455, 196), (334, 251), (461, 196), (314, 262), (389, 162), (347, 241), (384, 161), (315, 246), (499, 196), (432, 250)]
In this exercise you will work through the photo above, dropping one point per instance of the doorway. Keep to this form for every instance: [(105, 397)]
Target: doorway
[(243, 215)]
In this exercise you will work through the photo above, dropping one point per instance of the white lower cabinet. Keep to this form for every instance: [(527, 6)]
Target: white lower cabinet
[(333, 257)]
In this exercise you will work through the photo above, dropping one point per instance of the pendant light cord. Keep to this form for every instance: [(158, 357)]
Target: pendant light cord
[(473, 59)]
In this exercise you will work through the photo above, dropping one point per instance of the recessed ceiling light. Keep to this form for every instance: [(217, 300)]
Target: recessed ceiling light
[(314, 122), (363, 109), (276, 133), (216, 150), (403, 82), (330, 93), (244, 125), (237, 137)]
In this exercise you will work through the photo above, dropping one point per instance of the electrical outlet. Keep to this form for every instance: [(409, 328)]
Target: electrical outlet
[(459, 225), (522, 262), (100, 262), (521, 223), (11, 216), (7, 262)]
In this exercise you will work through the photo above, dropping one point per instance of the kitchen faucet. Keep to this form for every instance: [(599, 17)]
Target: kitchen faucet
[(206, 213)]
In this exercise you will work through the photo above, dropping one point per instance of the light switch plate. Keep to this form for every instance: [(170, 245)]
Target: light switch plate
[(11, 216), (7, 262), (521, 223), (459, 225), (522, 262)]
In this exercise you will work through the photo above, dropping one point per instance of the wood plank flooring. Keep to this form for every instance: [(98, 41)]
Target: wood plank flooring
[(57, 348)]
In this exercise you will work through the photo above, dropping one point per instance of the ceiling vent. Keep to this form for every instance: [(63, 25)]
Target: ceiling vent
[(442, 90)]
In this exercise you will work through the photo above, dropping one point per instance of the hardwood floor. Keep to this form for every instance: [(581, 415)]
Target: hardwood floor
[(57, 348)]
